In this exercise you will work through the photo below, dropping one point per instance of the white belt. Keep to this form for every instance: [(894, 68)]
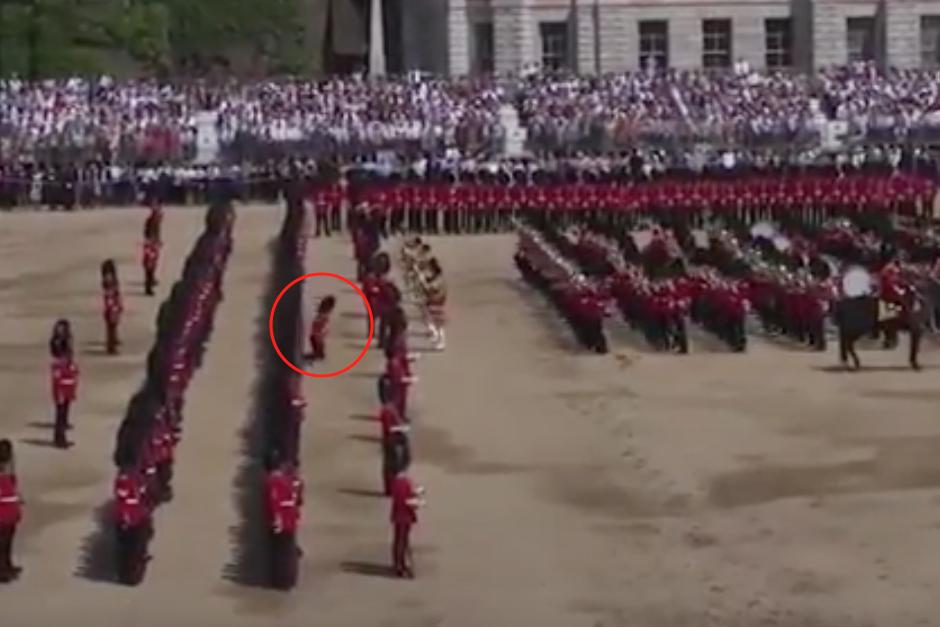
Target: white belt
[(132, 502), (10, 499)]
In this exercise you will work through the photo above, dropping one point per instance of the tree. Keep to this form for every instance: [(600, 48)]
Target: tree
[(65, 37), (206, 33)]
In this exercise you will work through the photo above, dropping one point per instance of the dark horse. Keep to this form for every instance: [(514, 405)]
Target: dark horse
[(859, 317)]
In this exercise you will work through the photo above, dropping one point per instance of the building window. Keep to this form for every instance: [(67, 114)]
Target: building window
[(860, 38), (778, 43), (484, 58), (554, 45), (716, 43), (930, 41), (654, 44)]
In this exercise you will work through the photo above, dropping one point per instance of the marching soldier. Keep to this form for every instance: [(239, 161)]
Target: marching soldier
[(398, 377), (149, 261), (64, 389), (133, 523), (406, 500), (11, 511), (113, 305), (162, 443), (395, 448), (284, 490), (151, 247), (319, 329)]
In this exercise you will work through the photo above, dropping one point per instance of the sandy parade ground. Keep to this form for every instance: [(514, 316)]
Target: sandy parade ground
[(564, 489)]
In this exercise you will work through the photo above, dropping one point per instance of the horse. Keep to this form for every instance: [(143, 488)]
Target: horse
[(862, 316)]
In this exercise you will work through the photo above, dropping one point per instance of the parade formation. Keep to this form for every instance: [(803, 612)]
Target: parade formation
[(153, 425), (798, 260)]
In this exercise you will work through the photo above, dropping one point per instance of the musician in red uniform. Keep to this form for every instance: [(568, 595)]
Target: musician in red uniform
[(132, 520), (284, 491), (406, 499), (113, 305), (64, 380), (319, 329), (11, 511)]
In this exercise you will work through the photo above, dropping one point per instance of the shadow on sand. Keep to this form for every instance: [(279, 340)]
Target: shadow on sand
[(368, 569), (96, 559)]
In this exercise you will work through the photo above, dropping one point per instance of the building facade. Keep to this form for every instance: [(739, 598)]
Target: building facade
[(598, 36)]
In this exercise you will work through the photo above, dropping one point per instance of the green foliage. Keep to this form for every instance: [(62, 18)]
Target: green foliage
[(67, 37)]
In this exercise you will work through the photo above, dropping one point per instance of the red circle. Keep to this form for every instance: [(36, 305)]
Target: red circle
[(325, 375)]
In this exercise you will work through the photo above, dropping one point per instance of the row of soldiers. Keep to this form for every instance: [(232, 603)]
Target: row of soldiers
[(471, 207), (144, 449), (157, 444), (580, 300), (281, 409), (656, 295), (387, 303)]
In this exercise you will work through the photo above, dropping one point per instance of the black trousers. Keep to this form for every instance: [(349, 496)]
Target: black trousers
[(7, 532), (131, 554), (336, 219), (150, 280), (401, 549), (61, 424), (111, 337), (284, 556), (322, 225)]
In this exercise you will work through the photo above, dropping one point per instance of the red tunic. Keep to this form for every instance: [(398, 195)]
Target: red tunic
[(129, 504), (113, 305), (319, 328), (150, 254), (388, 420), (64, 380), (285, 496), (11, 509), (403, 491)]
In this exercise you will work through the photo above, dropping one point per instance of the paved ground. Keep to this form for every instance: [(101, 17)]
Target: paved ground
[(565, 489)]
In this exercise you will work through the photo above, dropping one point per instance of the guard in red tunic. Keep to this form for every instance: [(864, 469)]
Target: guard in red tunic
[(11, 511), (398, 375), (320, 328), (64, 390), (149, 260), (150, 256), (162, 443), (406, 499), (133, 523), (154, 223), (284, 490), (395, 446), (113, 305)]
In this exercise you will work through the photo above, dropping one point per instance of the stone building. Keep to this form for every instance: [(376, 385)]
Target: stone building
[(590, 36)]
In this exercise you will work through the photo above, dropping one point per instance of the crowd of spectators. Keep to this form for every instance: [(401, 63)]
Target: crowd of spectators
[(742, 107), (110, 124), (146, 121)]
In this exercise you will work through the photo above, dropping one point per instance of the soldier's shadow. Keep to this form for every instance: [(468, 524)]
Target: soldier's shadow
[(368, 569), (97, 557)]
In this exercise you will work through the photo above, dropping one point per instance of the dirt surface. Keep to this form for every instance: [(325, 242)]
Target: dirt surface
[(632, 489)]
